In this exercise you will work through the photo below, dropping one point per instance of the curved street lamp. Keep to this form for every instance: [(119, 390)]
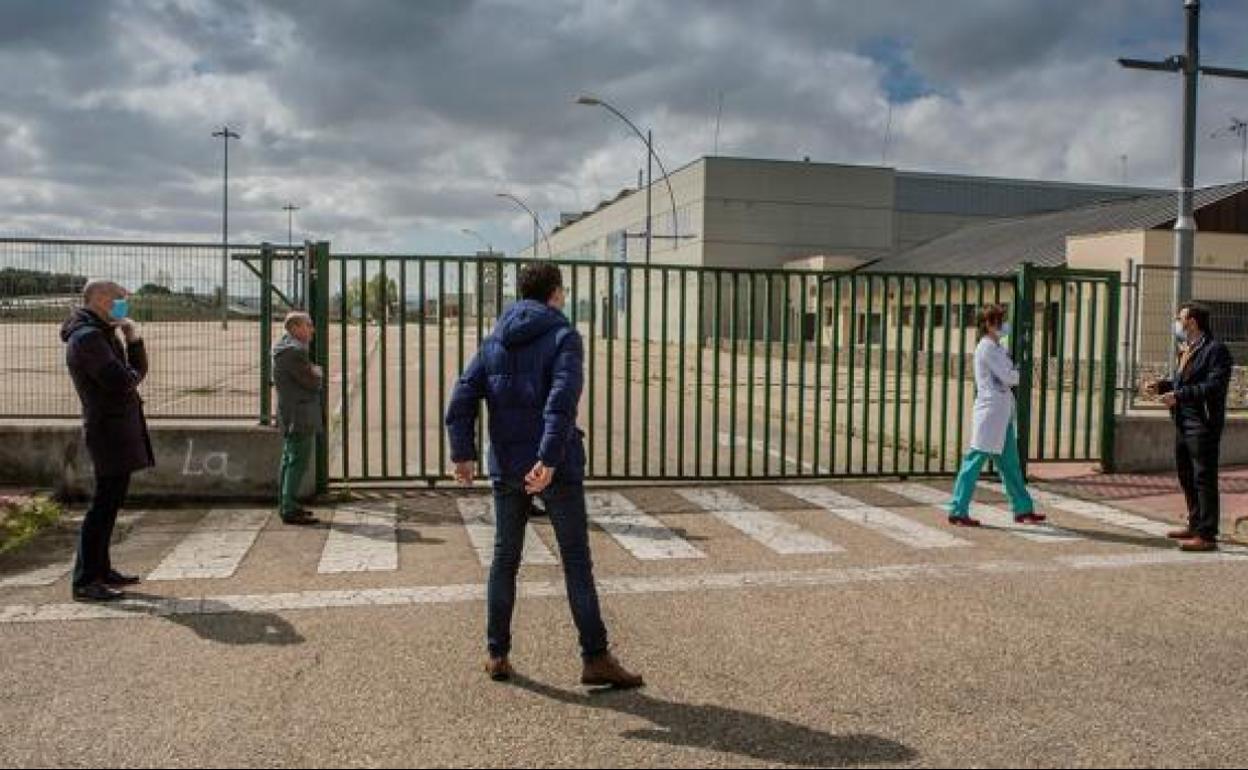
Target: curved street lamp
[(537, 223), (647, 139), (474, 234)]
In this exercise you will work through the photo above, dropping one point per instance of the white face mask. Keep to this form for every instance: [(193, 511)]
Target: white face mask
[(1179, 332)]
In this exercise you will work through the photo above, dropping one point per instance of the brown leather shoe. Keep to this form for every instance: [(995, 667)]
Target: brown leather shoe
[(1181, 534), (1198, 545), (605, 670), (499, 669)]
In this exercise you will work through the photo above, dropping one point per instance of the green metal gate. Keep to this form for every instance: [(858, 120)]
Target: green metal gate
[(713, 373)]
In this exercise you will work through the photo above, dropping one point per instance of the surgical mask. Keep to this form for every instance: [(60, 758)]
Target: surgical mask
[(120, 309), (1005, 329), (1179, 332)]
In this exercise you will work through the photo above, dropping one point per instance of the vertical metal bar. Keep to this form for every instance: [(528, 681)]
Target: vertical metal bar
[(1093, 329), (629, 301), (697, 413), (663, 280), (801, 373), (646, 417), (1023, 343), (480, 274), (1042, 424), (1113, 295), (715, 377), (1075, 369), (592, 421), (944, 378), (855, 332), (785, 341), (818, 407), (882, 411), (680, 377), (612, 329), (403, 427), (1059, 401), (423, 385), (931, 365), (897, 371), (735, 285), (383, 321), (441, 373), (834, 391), (751, 418), (366, 469), (266, 334), (912, 436), (767, 335), (344, 403), (320, 315), (962, 334), (866, 374)]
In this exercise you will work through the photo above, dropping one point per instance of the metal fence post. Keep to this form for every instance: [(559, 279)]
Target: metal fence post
[(1113, 290), (318, 305), (266, 333), (1024, 323)]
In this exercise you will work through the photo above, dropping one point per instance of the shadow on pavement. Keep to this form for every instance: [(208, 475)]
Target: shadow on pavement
[(732, 731), (220, 622)]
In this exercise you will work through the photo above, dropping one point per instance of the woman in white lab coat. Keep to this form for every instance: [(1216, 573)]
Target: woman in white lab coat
[(994, 436)]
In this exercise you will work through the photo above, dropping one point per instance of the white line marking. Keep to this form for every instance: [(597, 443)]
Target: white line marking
[(725, 439), (989, 514), (474, 592), (766, 527), (41, 576), (478, 515), (216, 546), (642, 535), (888, 523), (361, 540), (1096, 511)]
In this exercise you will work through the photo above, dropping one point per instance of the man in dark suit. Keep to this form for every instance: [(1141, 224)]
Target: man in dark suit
[(106, 375), (1196, 395)]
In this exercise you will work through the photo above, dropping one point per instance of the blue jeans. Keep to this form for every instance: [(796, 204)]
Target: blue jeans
[(565, 504)]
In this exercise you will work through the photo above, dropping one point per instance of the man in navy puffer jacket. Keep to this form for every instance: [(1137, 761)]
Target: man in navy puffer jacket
[(529, 371)]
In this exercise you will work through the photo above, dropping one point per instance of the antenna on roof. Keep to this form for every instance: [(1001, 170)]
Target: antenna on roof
[(888, 128), (718, 114)]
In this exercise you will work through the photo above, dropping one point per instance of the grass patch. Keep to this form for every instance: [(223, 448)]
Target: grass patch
[(24, 516)]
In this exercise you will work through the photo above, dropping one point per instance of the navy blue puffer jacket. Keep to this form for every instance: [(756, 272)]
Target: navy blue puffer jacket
[(529, 371)]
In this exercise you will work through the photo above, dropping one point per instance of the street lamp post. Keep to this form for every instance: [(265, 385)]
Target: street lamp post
[(489, 249), (225, 134), (293, 273), (651, 157), (537, 223)]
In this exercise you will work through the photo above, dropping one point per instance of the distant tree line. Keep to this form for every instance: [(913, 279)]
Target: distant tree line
[(17, 282)]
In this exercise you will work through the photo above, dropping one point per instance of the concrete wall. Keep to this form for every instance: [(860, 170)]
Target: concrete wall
[(1144, 443), (194, 460)]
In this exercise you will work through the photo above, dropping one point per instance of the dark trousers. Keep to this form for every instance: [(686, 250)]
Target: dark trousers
[(1196, 456), (93, 563), (565, 505)]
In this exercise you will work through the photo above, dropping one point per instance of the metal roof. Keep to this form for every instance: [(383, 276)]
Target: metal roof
[(1000, 247)]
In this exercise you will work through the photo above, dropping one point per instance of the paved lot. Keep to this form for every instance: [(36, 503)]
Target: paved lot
[(829, 624)]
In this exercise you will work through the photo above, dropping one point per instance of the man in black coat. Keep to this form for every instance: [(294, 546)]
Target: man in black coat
[(106, 375), (1196, 395)]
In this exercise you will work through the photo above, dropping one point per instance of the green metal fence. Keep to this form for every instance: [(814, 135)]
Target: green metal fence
[(710, 373), (207, 347)]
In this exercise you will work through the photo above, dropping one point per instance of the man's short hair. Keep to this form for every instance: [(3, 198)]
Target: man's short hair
[(99, 286), (295, 317), (1199, 313), (539, 280)]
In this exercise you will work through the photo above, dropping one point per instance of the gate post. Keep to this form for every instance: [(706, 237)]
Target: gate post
[(1024, 353), (266, 333), (316, 257), (1109, 377)]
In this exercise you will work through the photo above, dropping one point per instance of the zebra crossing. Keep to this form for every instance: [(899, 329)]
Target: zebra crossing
[(364, 537)]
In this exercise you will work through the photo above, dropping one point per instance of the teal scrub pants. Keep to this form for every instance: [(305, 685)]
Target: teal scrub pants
[(1010, 468)]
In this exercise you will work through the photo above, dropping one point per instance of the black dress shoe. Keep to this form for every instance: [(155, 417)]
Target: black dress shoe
[(116, 578), (300, 519), (97, 592)]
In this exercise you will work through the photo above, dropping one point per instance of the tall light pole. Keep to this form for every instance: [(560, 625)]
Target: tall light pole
[(647, 139), (293, 273), (1188, 63), (225, 134), (473, 233), (537, 223)]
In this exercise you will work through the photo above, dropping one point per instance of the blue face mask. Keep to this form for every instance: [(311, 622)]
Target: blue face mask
[(121, 308), (1006, 329)]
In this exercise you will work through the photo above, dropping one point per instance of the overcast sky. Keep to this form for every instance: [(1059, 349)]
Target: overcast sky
[(393, 124)]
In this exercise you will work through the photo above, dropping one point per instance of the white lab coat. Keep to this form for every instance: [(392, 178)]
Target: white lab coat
[(995, 374)]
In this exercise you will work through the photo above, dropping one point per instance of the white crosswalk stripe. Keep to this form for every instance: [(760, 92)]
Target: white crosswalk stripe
[(40, 576), (478, 515), (361, 540), (216, 546), (988, 514), (642, 535), (765, 527), (887, 523), (1092, 510)]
